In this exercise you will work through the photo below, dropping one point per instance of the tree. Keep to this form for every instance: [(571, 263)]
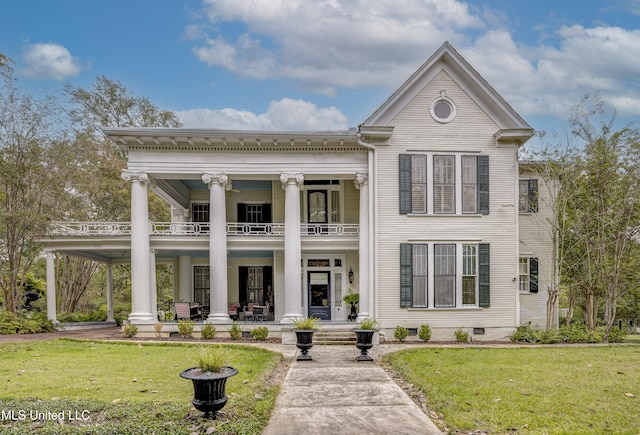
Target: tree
[(33, 181), (601, 218), (99, 191)]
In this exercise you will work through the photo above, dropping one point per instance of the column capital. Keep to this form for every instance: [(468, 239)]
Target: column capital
[(360, 180), (210, 178), (140, 176), (291, 178)]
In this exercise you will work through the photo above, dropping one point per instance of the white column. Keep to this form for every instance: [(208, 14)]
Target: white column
[(51, 287), (110, 314), (153, 283), (140, 285), (218, 184), (292, 247), (362, 183), (185, 287)]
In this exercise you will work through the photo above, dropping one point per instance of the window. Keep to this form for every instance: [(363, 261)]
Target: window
[(528, 196), (257, 213), (469, 184), (528, 275), (439, 275), (444, 184), (445, 275), (419, 183), (201, 284), (199, 212), (420, 278), (442, 109), (469, 274), (429, 185)]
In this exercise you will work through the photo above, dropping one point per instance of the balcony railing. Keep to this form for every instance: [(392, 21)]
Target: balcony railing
[(199, 229)]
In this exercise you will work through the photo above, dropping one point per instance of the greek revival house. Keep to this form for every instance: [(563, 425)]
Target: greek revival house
[(420, 210)]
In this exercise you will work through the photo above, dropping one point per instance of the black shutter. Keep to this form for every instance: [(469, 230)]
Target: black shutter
[(405, 183), (242, 284), (267, 281), (242, 212), (266, 214), (483, 184), (533, 196), (533, 275), (484, 272), (406, 275)]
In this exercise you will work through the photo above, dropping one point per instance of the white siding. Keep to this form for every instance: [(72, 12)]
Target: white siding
[(471, 132), (535, 241)]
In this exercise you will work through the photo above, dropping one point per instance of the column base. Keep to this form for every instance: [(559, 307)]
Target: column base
[(142, 318), (362, 316), (219, 319), (288, 319)]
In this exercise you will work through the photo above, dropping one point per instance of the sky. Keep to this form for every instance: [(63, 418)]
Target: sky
[(325, 64)]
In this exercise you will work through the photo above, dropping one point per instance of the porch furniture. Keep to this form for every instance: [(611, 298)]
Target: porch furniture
[(233, 311), (258, 313), (248, 311), (187, 310)]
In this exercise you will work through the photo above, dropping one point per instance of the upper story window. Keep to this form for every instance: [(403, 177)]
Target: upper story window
[(321, 202), (199, 212), (443, 109), (528, 196), (444, 184)]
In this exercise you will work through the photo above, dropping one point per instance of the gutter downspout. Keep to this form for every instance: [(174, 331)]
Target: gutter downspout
[(373, 224)]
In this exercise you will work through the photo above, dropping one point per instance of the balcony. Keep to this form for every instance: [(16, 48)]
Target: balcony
[(109, 229)]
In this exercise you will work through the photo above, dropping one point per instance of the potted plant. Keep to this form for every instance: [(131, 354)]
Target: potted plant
[(364, 337), (352, 299), (209, 379), (304, 329)]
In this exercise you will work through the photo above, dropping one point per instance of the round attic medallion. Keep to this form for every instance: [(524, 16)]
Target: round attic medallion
[(442, 109)]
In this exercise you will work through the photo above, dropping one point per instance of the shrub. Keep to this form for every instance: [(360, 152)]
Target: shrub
[(158, 327), (401, 333), (185, 327), (577, 333), (212, 359), (616, 335), (462, 336), (424, 332), (208, 331), (235, 332), (260, 333), (524, 334), (547, 336), (130, 330), (368, 324), (29, 322), (308, 324)]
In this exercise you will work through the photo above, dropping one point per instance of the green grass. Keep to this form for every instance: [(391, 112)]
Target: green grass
[(542, 390), (128, 385)]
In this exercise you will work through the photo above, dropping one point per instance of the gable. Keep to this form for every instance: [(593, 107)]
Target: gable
[(448, 62)]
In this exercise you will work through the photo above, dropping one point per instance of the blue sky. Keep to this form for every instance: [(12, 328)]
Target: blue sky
[(325, 64)]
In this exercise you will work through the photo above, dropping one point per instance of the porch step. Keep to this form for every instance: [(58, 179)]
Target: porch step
[(334, 337)]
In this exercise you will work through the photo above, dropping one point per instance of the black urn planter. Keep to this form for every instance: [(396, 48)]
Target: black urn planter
[(304, 342), (353, 315), (364, 342), (209, 389)]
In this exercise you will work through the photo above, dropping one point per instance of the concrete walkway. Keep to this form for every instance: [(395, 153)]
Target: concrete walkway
[(335, 394)]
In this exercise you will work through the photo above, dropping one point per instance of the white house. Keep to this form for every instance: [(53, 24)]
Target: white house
[(417, 210)]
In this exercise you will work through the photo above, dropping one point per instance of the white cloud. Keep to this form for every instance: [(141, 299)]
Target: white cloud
[(50, 61), (283, 115), (328, 45)]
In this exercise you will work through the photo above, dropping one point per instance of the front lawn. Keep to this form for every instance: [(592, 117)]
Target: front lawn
[(532, 390), (122, 387)]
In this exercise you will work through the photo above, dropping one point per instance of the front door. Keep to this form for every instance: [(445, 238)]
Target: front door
[(320, 295)]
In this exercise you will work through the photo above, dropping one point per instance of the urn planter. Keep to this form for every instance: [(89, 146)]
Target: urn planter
[(364, 342), (304, 342), (209, 389)]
